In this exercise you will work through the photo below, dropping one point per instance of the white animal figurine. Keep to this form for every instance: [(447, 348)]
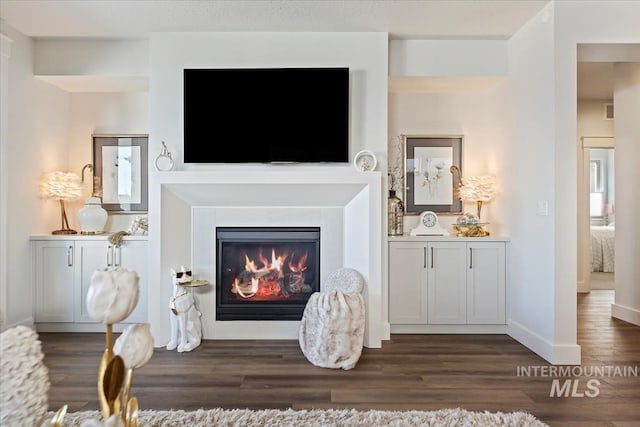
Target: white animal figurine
[(186, 326)]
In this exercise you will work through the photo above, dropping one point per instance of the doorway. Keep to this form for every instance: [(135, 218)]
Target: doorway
[(597, 213), (602, 217)]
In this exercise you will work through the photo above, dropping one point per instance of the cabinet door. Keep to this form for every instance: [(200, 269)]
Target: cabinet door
[(486, 283), (407, 283), (133, 256), (54, 291), (91, 255), (447, 283)]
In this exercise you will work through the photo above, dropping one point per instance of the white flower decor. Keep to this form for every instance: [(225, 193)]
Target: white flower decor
[(24, 378), (478, 188), (113, 295), (112, 421), (135, 345)]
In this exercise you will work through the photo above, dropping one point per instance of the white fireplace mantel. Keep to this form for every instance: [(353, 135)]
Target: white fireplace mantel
[(184, 204)]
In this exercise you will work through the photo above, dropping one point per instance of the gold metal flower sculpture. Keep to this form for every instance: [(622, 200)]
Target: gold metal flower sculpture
[(112, 297)]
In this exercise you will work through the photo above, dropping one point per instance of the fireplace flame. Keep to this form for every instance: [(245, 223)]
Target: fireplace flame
[(301, 265), (269, 279)]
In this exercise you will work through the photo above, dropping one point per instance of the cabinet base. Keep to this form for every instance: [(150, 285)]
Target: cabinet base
[(448, 329)]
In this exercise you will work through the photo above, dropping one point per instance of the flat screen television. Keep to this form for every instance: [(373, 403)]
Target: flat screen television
[(266, 115)]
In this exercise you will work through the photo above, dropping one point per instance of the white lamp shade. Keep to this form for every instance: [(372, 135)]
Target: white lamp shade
[(60, 186), (478, 188)]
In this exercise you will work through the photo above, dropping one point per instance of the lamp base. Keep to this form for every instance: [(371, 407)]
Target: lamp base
[(64, 231)]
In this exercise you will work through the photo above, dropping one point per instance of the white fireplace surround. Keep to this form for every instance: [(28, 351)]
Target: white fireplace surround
[(189, 205)]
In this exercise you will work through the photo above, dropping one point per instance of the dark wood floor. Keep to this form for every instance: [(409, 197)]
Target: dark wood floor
[(475, 372)]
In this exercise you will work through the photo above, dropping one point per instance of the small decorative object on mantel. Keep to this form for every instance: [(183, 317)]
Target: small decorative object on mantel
[(365, 161), (186, 326), (164, 161), (428, 225)]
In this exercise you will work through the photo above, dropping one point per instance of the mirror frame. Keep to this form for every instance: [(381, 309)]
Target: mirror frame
[(105, 140)]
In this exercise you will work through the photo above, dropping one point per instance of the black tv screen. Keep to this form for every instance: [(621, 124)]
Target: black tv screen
[(266, 115)]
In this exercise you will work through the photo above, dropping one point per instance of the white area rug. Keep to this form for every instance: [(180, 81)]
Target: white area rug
[(320, 418)]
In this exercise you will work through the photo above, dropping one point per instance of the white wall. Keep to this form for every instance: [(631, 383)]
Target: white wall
[(591, 121), (91, 57), (448, 57), (5, 54), (364, 53), (627, 246), (123, 112), (37, 129), (479, 116), (527, 167), (579, 22)]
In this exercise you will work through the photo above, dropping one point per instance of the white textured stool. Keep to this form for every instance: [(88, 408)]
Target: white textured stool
[(332, 327)]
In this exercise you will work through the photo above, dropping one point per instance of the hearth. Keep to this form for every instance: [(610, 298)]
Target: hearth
[(266, 273)]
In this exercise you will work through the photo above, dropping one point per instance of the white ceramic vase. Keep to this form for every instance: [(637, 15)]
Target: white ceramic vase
[(92, 217)]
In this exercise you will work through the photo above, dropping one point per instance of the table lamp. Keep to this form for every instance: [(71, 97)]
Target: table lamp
[(61, 186), (478, 189)]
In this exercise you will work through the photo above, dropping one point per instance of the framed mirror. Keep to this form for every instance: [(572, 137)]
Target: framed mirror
[(120, 171)]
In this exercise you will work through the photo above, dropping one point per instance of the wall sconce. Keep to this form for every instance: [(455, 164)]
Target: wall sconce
[(61, 186)]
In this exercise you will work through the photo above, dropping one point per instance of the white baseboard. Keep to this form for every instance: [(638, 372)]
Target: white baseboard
[(583, 287), (556, 354), (385, 331), (448, 329), (627, 314), (24, 322)]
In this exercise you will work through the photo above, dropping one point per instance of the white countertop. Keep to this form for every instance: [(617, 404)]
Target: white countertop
[(408, 238), (78, 236)]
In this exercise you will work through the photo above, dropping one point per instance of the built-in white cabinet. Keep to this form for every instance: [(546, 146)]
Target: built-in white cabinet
[(62, 270), (408, 294), (54, 280), (447, 285)]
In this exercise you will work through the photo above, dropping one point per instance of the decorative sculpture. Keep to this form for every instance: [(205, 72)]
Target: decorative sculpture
[(186, 326), (139, 223), (112, 297)]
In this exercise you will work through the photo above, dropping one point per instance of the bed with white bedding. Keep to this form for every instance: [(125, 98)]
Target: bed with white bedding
[(602, 248)]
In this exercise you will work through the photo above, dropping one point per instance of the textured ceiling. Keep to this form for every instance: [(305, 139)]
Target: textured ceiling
[(402, 19)]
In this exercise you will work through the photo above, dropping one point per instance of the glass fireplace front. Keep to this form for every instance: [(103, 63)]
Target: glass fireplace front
[(266, 273)]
